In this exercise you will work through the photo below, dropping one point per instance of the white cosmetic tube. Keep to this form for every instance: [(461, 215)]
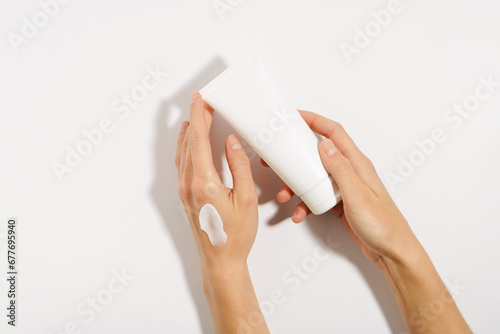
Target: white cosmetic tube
[(246, 98)]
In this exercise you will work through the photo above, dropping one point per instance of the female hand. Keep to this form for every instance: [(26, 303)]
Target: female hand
[(367, 210), (378, 227), (225, 277), (200, 184)]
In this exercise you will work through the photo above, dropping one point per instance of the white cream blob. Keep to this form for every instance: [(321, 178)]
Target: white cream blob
[(211, 223)]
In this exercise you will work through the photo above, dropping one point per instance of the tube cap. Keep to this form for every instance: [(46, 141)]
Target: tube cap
[(323, 196)]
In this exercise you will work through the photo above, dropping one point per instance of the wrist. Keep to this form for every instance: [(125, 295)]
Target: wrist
[(406, 251), (405, 261), (411, 264), (400, 245), (223, 274)]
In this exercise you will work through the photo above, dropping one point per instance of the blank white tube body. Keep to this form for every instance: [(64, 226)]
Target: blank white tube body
[(246, 98)]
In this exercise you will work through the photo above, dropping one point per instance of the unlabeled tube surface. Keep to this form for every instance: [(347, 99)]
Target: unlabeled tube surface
[(246, 98)]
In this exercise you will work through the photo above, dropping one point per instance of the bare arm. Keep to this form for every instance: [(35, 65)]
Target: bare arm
[(225, 276), (385, 237)]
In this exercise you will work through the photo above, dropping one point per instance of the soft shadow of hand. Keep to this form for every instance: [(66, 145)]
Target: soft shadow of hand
[(164, 189)]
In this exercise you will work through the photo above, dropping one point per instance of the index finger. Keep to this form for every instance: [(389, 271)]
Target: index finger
[(201, 151), (333, 130)]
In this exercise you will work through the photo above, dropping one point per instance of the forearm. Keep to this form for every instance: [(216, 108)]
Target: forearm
[(423, 299), (232, 299)]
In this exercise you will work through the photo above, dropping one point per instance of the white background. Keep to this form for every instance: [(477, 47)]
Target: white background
[(119, 208)]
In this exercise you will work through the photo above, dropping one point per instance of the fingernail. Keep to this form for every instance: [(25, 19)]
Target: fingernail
[(234, 142), (329, 147), (184, 126), (294, 216), (194, 96)]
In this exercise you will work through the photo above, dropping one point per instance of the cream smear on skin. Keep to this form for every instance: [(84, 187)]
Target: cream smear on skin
[(211, 223)]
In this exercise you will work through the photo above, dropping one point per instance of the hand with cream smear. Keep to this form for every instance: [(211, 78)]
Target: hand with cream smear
[(224, 221)]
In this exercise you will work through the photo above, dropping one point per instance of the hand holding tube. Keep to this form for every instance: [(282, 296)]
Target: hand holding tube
[(366, 210), (378, 227)]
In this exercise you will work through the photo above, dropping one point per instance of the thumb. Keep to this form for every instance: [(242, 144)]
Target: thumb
[(340, 168), (239, 164)]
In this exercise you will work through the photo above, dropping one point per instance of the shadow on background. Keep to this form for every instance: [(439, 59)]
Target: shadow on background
[(170, 116), (328, 225)]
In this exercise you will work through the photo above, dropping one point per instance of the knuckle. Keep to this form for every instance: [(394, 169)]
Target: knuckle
[(365, 163), (249, 197), (204, 189), (370, 165), (195, 139), (333, 127), (198, 188), (183, 191), (343, 166), (364, 198), (192, 110), (240, 165)]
